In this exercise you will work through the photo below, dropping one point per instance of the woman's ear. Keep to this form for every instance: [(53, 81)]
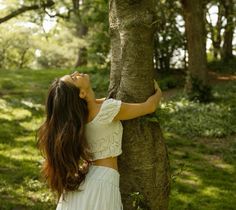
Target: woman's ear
[(82, 94)]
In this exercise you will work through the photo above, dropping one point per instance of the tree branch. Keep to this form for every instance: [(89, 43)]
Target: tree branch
[(67, 16), (24, 9)]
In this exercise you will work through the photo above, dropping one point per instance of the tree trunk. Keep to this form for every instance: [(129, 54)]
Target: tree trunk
[(229, 30), (215, 32), (196, 83), (22, 58), (143, 165), (82, 31), (217, 41)]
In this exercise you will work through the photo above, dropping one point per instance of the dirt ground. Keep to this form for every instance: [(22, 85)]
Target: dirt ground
[(214, 78)]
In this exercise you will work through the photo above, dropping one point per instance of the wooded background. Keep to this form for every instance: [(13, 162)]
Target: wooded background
[(188, 46)]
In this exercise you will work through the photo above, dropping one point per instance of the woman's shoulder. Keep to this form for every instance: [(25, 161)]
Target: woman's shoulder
[(108, 110)]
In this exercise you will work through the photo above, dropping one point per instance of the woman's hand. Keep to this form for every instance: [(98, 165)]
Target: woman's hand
[(132, 110), (155, 99)]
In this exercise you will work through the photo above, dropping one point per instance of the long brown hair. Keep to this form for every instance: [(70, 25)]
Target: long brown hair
[(61, 138)]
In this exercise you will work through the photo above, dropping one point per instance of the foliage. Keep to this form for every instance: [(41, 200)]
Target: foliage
[(95, 16), (171, 79), (139, 202), (168, 83), (169, 38), (16, 47), (199, 91), (57, 49), (223, 67)]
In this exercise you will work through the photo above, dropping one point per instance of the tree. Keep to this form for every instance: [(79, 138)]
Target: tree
[(16, 47), (215, 31), (86, 20), (168, 38), (57, 48), (144, 164), (229, 30), (197, 80)]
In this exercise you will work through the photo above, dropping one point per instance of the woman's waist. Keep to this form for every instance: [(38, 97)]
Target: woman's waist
[(101, 174), (110, 162)]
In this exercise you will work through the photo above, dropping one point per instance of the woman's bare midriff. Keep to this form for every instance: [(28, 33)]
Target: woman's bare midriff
[(108, 162)]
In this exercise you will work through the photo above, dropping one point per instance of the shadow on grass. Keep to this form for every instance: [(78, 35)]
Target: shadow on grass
[(203, 174)]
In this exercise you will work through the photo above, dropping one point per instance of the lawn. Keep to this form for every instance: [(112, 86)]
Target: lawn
[(202, 152)]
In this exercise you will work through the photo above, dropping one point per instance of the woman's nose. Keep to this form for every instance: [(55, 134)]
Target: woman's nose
[(74, 73)]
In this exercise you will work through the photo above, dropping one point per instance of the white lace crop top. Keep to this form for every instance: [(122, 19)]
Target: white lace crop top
[(103, 134)]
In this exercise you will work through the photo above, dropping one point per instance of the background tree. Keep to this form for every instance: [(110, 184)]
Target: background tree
[(77, 16), (144, 163), (229, 8), (197, 80), (168, 39), (215, 32), (56, 49), (16, 49)]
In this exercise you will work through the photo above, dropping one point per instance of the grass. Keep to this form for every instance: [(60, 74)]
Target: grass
[(192, 118), (203, 172), (202, 143), (203, 166)]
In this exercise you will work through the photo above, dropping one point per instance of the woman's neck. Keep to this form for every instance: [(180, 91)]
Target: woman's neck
[(93, 106)]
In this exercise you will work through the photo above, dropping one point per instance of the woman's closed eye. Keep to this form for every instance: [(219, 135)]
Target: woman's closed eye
[(75, 77)]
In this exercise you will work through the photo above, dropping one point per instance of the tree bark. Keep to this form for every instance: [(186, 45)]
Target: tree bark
[(143, 165), (227, 53), (196, 44)]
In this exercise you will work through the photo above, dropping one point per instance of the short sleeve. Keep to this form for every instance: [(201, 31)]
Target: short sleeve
[(109, 109)]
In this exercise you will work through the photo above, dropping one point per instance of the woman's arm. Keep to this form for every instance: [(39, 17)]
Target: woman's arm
[(132, 110)]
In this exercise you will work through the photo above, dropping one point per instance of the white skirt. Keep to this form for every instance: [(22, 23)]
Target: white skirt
[(100, 191)]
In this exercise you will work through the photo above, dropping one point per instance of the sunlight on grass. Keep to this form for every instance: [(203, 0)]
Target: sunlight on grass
[(25, 153), (24, 149), (211, 191), (30, 104), (25, 139), (19, 114), (183, 197), (188, 177), (219, 163), (7, 112), (33, 124)]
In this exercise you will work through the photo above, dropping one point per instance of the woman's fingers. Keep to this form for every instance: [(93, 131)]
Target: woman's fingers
[(156, 86)]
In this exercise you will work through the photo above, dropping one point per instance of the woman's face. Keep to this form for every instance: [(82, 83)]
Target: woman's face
[(78, 79)]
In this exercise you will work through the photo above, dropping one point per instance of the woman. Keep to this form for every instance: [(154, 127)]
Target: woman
[(81, 139)]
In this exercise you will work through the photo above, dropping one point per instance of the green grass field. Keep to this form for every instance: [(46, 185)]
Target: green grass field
[(202, 152)]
